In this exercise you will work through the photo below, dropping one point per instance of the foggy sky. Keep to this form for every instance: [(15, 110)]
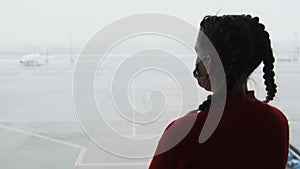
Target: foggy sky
[(49, 23)]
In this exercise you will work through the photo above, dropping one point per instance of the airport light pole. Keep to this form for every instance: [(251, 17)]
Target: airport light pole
[(71, 47)]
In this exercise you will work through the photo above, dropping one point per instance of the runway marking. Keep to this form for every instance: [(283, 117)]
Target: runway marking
[(82, 149), (80, 157), (115, 164), (41, 136)]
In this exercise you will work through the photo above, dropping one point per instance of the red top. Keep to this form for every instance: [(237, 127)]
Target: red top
[(250, 135)]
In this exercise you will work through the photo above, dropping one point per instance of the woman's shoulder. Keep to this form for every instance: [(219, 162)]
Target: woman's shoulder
[(188, 120), (269, 112), (276, 112)]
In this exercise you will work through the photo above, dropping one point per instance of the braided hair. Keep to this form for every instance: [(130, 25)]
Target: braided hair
[(242, 44)]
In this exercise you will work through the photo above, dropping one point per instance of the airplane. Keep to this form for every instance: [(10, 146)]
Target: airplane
[(33, 60)]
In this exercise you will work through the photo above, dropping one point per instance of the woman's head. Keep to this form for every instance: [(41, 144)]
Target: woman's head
[(242, 43)]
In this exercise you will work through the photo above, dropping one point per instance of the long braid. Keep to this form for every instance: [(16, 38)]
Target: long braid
[(269, 74), (205, 104), (266, 52)]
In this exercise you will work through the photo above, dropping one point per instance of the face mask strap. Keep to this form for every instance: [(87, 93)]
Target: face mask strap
[(206, 62)]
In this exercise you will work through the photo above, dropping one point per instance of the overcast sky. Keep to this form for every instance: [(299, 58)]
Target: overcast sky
[(40, 22)]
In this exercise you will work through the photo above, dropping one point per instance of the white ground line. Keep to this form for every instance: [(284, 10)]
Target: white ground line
[(82, 149), (81, 153), (41, 136), (114, 164), (80, 157)]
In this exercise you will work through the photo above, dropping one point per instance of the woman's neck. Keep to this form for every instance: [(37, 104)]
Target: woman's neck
[(240, 87)]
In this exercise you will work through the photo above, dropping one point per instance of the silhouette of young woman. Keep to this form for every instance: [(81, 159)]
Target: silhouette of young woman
[(251, 134)]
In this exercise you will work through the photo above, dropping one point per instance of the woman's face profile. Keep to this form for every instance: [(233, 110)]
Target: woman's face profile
[(203, 61), (201, 72)]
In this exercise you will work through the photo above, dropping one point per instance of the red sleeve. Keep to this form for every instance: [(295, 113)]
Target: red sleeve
[(283, 139), (164, 160), (169, 152), (277, 140)]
